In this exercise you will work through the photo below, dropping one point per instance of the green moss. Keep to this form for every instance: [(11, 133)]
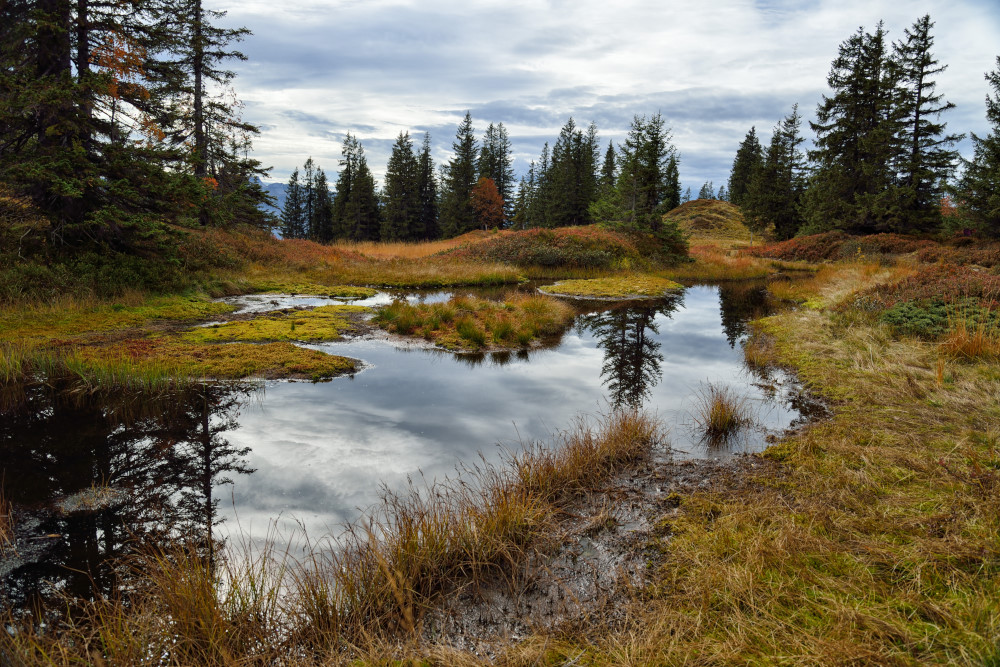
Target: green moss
[(620, 287), (325, 323), (314, 289), (171, 357), (45, 324)]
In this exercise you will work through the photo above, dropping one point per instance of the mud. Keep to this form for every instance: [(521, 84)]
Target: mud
[(598, 556)]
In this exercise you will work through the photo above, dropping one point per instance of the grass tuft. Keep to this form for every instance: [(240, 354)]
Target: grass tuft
[(721, 413)]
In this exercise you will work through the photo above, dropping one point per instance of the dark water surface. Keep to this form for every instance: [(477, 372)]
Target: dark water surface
[(89, 476)]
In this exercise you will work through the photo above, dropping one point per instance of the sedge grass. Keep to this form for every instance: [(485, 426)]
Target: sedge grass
[(464, 323), (7, 540), (720, 413)]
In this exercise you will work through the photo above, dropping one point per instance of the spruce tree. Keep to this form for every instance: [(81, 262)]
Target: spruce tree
[(355, 204), (322, 221), (673, 196), (978, 188), (308, 185), (292, 216), (572, 176), (457, 214), (928, 157), (722, 195), (496, 163), (541, 190), (608, 171), (749, 157), (707, 191), (427, 224), (776, 187), (854, 185), (401, 196), (642, 181)]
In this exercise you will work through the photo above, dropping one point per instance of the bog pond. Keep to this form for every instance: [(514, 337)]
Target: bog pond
[(267, 461)]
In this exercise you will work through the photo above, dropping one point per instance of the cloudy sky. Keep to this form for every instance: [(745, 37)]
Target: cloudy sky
[(319, 68)]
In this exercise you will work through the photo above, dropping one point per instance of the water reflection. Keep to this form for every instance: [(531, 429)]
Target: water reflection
[(91, 477), (632, 361), (739, 304)]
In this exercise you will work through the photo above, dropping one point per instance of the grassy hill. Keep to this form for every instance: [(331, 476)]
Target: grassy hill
[(710, 219)]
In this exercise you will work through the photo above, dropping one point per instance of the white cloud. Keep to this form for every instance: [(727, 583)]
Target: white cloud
[(379, 67)]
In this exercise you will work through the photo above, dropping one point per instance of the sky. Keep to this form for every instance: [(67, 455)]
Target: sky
[(317, 69)]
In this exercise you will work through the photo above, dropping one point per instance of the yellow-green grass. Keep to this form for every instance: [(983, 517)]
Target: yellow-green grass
[(873, 540), (325, 323), (617, 287), (69, 318), (468, 323), (334, 291), (154, 364)]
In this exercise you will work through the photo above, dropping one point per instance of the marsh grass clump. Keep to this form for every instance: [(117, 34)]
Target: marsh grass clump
[(324, 323), (721, 413), (469, 323), (970, 339)]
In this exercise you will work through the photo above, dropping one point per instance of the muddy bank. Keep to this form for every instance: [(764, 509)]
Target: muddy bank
[(595, 560)]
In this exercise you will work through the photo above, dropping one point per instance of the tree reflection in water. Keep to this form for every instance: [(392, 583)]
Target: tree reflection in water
[(92, 476), (739, 304), (632, 358)]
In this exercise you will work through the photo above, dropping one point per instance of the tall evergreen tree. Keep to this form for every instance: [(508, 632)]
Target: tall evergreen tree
[(427, 225), (293, 224), (707, 191), (322, 221), (978, 188), (355, 204), (401, 196), (749, 157), (608, 171), (308, 186), (572, 177), (496, 163), (776, 187), (857, 143), (643, 160), (457, 214), (673, 196), (928, 157)]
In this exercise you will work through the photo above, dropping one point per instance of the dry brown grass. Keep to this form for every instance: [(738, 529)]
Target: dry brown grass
[(408, 250), (970, 340), (720, 412)]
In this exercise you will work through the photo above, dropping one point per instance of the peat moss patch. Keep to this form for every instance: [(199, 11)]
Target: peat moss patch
[(325, 323), (619, 287)]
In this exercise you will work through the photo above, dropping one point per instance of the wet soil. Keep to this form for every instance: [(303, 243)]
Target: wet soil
[(599, 554)]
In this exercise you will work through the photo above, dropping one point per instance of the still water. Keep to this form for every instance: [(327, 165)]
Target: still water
[(92, 477)]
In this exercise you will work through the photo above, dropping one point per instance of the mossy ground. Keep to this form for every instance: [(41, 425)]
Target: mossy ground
[(321, 324), (617, 287), (313, 289), (142, 342)]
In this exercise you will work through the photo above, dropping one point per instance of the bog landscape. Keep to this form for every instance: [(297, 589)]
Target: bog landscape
[(454, 416)]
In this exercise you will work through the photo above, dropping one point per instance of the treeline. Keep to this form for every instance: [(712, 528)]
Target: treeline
[(572, 183), (118, 116), (882, 158)]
